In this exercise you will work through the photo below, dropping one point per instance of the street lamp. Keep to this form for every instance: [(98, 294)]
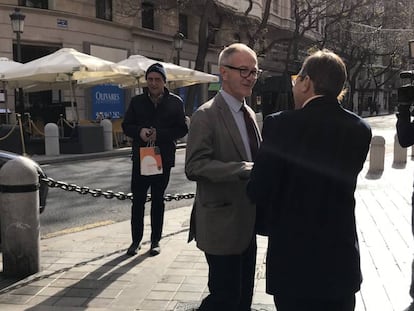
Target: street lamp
[(178, 44), (411, 48), (17, 24)]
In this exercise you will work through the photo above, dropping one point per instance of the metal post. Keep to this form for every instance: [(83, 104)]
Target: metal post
[(178, 57), (52, 147), (377, 154), (19, 47), (19, 210), (17, 23), (400, 153), (178, 44), (19, 119), (108, 135)]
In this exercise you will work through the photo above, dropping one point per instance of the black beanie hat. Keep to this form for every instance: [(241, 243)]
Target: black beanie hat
[(157, 67)]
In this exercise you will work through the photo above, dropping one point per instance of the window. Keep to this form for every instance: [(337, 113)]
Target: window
[(293, 9), (40, 4), (147, 15), (104, 9), (183, 24), (276, 6)]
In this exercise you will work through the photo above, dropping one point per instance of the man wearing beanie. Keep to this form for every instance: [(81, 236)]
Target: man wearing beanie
[(154, 117)]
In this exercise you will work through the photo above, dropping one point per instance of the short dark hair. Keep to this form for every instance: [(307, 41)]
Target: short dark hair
[(327, 72)]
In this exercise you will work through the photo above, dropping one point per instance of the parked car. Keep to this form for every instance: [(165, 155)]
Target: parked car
[(6, 156)]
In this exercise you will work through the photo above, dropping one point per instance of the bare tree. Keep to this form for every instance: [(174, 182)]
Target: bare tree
[(210, 21), (373, 52), (316, 24)]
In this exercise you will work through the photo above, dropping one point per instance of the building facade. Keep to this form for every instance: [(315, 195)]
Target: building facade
[(116, 29)]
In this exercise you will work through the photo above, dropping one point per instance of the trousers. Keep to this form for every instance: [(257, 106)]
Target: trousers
[(139, 187), (231, 281), (412, 264), (285, 303)]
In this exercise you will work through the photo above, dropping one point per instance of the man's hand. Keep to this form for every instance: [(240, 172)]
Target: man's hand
[(247, 168), (148, 134), (145, 134), (153, 136)]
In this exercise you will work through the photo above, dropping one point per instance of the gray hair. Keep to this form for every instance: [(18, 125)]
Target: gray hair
[(228, 51)]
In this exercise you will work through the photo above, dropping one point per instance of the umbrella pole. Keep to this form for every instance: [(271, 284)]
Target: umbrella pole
[(5, 102), (19, 118), (72, 99)]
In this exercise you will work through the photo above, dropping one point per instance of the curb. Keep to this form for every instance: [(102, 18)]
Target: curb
[(43, 159)]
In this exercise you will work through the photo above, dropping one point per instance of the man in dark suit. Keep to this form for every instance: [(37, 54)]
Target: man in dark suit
[(219, 156), (307, 169)]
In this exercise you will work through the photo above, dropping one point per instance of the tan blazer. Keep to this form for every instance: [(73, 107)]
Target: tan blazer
[(223, 218)]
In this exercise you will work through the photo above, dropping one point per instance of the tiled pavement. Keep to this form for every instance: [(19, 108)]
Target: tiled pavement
[(88, 270)]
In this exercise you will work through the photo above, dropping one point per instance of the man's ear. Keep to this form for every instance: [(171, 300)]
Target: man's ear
[(223, 73), (307, 84)]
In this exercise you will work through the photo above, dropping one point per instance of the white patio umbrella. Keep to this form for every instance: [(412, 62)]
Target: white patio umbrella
[(6, 64), (177, 76), (62, 70)]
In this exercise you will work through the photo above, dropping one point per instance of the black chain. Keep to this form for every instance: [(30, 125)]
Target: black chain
[(108, 194)]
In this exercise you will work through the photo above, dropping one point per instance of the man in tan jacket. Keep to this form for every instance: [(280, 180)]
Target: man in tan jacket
[(219, 157)]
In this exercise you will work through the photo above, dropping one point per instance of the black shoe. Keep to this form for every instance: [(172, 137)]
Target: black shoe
[(132, 250), (155, 249)]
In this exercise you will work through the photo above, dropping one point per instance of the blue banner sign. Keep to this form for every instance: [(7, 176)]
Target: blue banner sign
[(107, 102)]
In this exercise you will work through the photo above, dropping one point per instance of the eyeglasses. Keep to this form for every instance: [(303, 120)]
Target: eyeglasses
[(245, 72), (294, 78)]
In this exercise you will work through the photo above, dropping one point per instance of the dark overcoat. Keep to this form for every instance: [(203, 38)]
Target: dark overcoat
[(307, 169)]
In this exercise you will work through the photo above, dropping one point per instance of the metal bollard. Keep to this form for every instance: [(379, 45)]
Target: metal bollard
[(400, 153), (19, 214), (52, 139), (108, 136), (377, 154)]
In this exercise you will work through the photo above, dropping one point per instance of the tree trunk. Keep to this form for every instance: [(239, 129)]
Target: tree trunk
[(203, 39)]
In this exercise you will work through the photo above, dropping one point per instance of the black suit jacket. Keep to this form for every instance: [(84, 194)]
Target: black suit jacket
[(307, 170)]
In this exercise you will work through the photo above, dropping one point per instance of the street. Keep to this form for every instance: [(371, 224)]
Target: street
[(69, 211)]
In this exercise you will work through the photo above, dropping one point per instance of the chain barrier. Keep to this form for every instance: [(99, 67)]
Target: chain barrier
[(61, 123), (108, 194), (10, 132)]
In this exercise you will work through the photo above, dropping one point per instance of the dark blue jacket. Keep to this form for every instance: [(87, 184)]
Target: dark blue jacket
[(168, 119), (307, 169)]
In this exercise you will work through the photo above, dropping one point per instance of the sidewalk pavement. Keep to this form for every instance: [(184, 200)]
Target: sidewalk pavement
[(89, 270)]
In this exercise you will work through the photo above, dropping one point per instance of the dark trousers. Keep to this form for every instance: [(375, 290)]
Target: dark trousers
[(139, 187), (285, 303), (231, 281), (412, 264)]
